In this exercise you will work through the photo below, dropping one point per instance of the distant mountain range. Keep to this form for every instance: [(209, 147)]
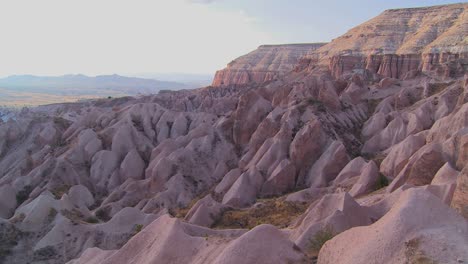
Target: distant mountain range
[(28, 90), (190, 79), (73, 81)]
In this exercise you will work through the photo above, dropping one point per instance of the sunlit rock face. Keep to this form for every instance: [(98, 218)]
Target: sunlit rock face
[(266, 63), (401, 42), (360, 139)]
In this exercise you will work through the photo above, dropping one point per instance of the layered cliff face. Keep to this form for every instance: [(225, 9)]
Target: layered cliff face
[(397, 43), (263, 64), (406, 31), (403, 41), (253, 173)]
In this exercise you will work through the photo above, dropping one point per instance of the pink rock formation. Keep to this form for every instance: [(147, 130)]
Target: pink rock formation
[(327, 167), (338, 212), (459, 200), (168, 240), (431, 231), (421, 167), (390, 96), (266, 63), (400, 41), (400, 153)]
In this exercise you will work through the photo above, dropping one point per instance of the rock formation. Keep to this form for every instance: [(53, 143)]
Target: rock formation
[(266, 63), (296, 153)]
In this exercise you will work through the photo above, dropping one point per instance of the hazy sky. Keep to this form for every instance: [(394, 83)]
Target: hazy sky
[(55, 37)]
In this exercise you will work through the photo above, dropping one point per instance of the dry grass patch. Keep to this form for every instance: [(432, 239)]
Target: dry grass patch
[(414, 255), (59, 191), (182, 212), (276, 212)]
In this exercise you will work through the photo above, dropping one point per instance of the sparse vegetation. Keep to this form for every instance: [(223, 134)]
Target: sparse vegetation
[(23, 195), (92, 220), (59, 191), (372, 105), (297, 128), (61, 122), (59, 143), (311, 101), (18, 218), (103, 215), (45, 253), (319, 239), (138, 228), (414, 255), (73, 215), (181, 212), (319, 106), (9, 237), (376, 157), (276, 212), (52, 213), (4, 252), (435, 88), (164, 91), (382, 181)]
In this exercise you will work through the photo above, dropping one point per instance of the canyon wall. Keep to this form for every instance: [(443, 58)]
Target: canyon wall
[(263, 64), (398, 43), (402, 41)]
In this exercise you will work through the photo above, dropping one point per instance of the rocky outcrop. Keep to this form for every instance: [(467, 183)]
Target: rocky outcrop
[(460, 197), (399, 42), (436, 234), (338, 212), (266, 63), (168, 240)]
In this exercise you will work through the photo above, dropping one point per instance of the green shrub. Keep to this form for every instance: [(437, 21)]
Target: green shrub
[(92, 220), (382, 181), (103, 215), (23, 195), (320, 238), (138, 228), (45, 253), (52, 213)]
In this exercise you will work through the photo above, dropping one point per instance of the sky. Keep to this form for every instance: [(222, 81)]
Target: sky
[(130, 37)]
